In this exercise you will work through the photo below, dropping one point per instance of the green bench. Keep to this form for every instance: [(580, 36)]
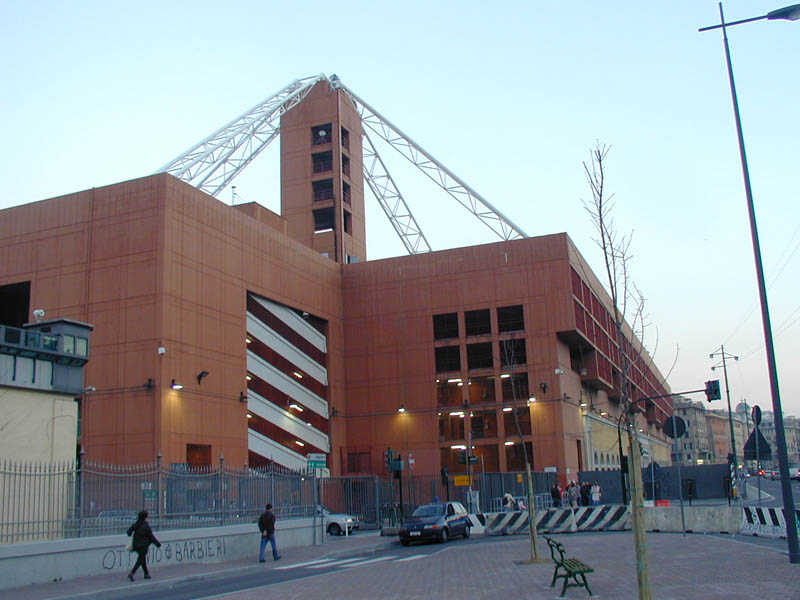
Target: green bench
[(571, 567)]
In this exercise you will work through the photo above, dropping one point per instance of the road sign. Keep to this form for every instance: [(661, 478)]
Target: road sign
[(756, 414), (411, 461), (316, 460), (764, 450), (461, 480), (674, 427)]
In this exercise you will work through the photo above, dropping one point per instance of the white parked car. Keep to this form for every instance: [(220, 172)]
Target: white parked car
[(338, 523)]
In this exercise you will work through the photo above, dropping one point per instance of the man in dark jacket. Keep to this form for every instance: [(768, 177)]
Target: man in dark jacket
[(142, 538), (266, 525)]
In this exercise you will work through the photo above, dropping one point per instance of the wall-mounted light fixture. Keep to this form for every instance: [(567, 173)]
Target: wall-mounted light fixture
[(149, 384), (509, 443), (296, 407), (558, 371), (175, 386), (242, 397), (299, 443), (543, 387), (402, 408), (532, 399), (201, 375), (507, 409)]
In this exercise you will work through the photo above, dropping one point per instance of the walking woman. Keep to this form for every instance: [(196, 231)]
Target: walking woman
[(142, 538)]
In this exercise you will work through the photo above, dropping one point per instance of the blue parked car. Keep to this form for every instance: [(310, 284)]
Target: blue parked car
[(439, 521)]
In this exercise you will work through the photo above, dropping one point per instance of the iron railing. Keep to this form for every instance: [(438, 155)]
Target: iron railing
[(55, 501)]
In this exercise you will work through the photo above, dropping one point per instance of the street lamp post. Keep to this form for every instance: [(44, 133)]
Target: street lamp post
[(790, 13), (735, 475)]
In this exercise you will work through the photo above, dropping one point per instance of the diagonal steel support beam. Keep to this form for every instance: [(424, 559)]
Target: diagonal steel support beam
[(212, 164), (436, 171), (391, 200)]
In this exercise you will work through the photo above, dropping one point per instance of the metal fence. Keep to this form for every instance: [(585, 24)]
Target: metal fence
[(54, 501)]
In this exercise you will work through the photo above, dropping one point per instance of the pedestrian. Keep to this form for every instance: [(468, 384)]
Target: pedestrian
[(266, 525), (142, 538), (508, 502), (555, 494), (572, 493), (586, 493), (596, 494)]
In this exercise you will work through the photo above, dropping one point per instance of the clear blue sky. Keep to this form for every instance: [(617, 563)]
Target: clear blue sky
[(509, 97)]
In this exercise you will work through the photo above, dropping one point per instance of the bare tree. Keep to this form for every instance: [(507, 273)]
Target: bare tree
[(510, 360), (617, 256)]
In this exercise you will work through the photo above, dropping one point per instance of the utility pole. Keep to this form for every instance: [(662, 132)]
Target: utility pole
[(724, 355)]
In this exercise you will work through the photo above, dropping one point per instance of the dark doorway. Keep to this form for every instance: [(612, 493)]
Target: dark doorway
[(15, 303), (198, 455)]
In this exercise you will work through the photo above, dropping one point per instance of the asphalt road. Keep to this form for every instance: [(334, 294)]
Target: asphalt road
[(771, 495)]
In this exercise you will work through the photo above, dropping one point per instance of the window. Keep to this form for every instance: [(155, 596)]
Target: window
[(69, 344), (81, 346), (515, 456), (346, 165), (476, 322), (481, 390), (484, 424), (358, 462), (348, 223), (510, 318), (512, 353), (321, 135), (323, 190), (515, 387), (479, 356), (448, 358), (50, 342), (346, 192), (345, 139), (451, 427), (448, 392), (321, 162), (323, 220), (445, 326)]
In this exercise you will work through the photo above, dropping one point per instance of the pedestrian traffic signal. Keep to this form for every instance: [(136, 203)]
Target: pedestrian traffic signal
[(462, 457), (712, 390), (445, 473)]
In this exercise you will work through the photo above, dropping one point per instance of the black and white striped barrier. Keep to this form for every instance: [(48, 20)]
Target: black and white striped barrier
[(612, 517), (765, 522), (478, 521)]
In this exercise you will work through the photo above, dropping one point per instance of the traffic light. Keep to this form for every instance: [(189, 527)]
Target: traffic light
[(389, 458), (445, 473), (712, 390), (462, 457)]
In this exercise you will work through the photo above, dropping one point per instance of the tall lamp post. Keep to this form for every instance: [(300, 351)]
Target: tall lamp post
[(790, 13)]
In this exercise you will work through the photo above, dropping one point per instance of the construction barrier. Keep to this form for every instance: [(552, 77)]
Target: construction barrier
[(765, 522), (612, 517)]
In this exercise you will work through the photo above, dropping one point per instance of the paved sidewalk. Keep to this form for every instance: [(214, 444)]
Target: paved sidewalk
[(696, 566), (86, 587)]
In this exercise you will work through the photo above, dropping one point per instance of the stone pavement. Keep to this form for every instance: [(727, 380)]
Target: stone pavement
[(693, 567)]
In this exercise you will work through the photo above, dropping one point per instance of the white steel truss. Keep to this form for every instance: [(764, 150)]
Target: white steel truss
[(214, 162), (436, 171), (391, 200)]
